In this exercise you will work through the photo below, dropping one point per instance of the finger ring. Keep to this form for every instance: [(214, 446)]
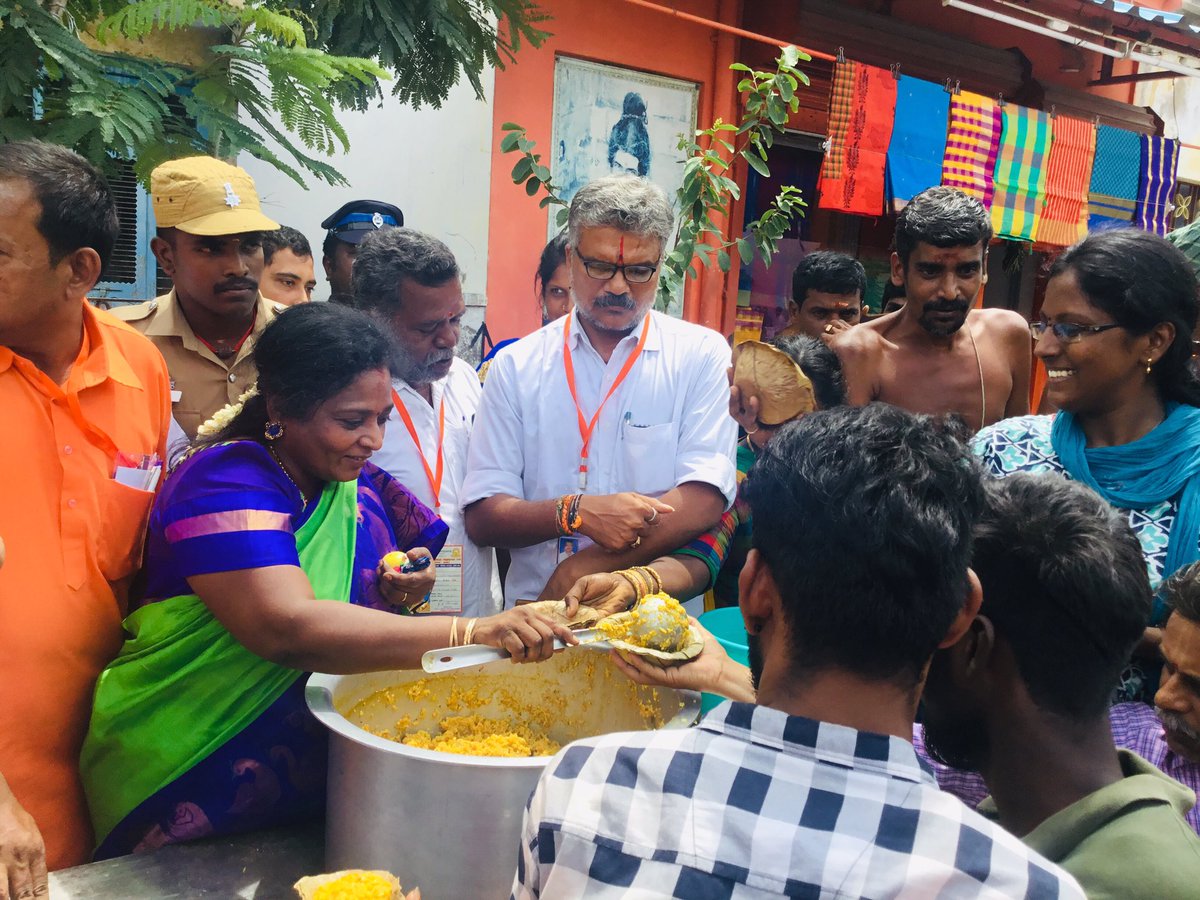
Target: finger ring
[(653, 517), (636, 543), (829, 329)]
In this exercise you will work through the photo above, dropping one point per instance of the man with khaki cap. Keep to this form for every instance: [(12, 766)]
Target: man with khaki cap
[(209, 243)]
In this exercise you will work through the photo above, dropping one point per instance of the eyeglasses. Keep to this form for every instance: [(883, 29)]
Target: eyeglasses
[(638, 273), (1067, 332)]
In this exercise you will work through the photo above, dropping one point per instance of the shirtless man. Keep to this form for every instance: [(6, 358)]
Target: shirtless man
[(921, 358)]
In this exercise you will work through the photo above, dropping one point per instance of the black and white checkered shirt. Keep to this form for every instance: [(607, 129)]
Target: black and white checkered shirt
[(753, 802)]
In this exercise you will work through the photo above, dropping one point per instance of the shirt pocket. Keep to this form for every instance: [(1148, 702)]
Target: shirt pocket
[(650, 457), (122, 537)]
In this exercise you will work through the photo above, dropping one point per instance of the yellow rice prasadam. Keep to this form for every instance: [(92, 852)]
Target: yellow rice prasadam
[(482, 715)]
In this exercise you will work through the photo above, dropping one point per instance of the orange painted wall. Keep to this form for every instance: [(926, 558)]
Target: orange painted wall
[(615, 33)]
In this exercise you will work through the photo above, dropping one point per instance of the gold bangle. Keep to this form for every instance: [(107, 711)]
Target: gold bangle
[(641, 584), (655, 578), (628, 576), (469, 632), (454, 631)]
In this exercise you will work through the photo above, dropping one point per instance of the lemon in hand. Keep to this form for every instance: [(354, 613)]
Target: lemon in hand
[(396, 560)]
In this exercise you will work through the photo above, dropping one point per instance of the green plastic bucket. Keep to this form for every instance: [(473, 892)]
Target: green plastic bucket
[(728, 628)]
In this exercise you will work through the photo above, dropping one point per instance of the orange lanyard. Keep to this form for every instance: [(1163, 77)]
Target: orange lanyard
[(585, 427), (435, 478), (43, 383)]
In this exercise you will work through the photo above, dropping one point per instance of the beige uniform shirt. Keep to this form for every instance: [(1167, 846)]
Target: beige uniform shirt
[(201, 383)]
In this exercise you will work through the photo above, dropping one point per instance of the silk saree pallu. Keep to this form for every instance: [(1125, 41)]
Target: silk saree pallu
[(1113, 187), (918, 145), (183, 686), (1068, 170), (972, 145), (862, 108), (1020, 174), (1156, 184)]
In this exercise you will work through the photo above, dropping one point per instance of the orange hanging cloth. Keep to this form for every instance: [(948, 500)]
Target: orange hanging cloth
[(862, 111), (1068, 174)]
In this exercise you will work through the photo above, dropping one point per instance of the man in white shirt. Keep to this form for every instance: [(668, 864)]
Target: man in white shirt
[(602, 439), (411, 281)]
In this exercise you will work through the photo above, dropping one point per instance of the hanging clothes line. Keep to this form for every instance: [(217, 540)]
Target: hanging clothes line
[(764, 39)]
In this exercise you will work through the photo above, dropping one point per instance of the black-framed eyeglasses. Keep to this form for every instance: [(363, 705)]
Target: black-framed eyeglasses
[(1067, 332), (634, 273)]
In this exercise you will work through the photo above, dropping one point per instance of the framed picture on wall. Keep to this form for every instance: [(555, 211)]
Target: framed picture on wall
[(609, 119)]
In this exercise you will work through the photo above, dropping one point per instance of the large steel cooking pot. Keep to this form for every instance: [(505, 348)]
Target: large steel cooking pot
[(447, 823)]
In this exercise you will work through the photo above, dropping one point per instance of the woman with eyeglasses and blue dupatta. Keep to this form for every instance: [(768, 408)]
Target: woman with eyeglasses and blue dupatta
[(1115, 336), (264, 562)]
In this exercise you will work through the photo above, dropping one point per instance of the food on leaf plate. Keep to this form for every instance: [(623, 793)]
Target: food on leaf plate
[(656, 628), (354, 884)]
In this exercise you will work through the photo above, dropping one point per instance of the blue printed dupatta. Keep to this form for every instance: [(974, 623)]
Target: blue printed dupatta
[(1162, 465)]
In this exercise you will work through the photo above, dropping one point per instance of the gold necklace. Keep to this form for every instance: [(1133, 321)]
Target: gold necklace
[(287, 474)]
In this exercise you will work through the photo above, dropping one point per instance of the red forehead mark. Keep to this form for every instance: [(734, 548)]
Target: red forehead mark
[(621, 251)]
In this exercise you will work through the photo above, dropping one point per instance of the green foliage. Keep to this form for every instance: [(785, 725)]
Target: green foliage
[(426, 44), (707, 189), (269, 64), (530, 171)]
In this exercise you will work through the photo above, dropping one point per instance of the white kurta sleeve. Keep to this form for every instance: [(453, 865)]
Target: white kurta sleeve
[(496, 454), (708, 436)]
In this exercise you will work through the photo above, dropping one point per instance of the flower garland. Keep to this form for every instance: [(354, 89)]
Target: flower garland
[(226, 414)]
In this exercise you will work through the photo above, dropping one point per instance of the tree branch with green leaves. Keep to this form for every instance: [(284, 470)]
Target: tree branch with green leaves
[(708, 189), (273, 80)]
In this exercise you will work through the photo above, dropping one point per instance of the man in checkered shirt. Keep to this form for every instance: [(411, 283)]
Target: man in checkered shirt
[(814, 790)]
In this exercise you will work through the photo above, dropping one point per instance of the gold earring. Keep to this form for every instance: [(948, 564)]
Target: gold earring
[(273, 431), (1149, 363)]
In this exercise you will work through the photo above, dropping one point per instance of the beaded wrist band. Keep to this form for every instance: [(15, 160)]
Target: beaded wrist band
[(566, 514)]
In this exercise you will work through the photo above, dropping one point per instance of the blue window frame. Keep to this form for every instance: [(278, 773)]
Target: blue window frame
[(132, 272)]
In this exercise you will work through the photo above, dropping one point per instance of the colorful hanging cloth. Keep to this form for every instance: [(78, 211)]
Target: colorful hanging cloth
[(972, 145), (1020, 176), (1068, 170), (1113, 189), (1156, 186), (914, 156), (862, 107)]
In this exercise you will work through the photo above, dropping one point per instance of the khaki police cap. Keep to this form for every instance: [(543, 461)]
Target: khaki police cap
[(206, 196)]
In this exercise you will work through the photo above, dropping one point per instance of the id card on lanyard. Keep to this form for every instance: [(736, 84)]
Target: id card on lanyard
[(447, 593), (586, 427)]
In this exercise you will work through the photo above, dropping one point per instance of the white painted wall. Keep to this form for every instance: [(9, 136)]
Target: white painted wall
[(1177, 101), (434, 164)]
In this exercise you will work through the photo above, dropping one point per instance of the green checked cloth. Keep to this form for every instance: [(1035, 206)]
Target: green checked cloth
[(1020, 174)]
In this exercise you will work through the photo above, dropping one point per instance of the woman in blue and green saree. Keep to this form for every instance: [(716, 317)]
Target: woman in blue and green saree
[(263, 563)]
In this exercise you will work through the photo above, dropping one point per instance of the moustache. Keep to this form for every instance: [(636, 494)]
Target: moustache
[(1173, 723), (947, 306), (615, 301), (237, 284)]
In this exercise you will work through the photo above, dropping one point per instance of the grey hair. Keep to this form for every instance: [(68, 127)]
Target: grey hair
[(627, 202), (389, 255)]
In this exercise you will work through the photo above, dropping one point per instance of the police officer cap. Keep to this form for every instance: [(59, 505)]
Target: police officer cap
[(358, 218)]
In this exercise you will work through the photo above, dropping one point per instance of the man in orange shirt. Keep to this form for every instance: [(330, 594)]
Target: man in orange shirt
[(85, 401)]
